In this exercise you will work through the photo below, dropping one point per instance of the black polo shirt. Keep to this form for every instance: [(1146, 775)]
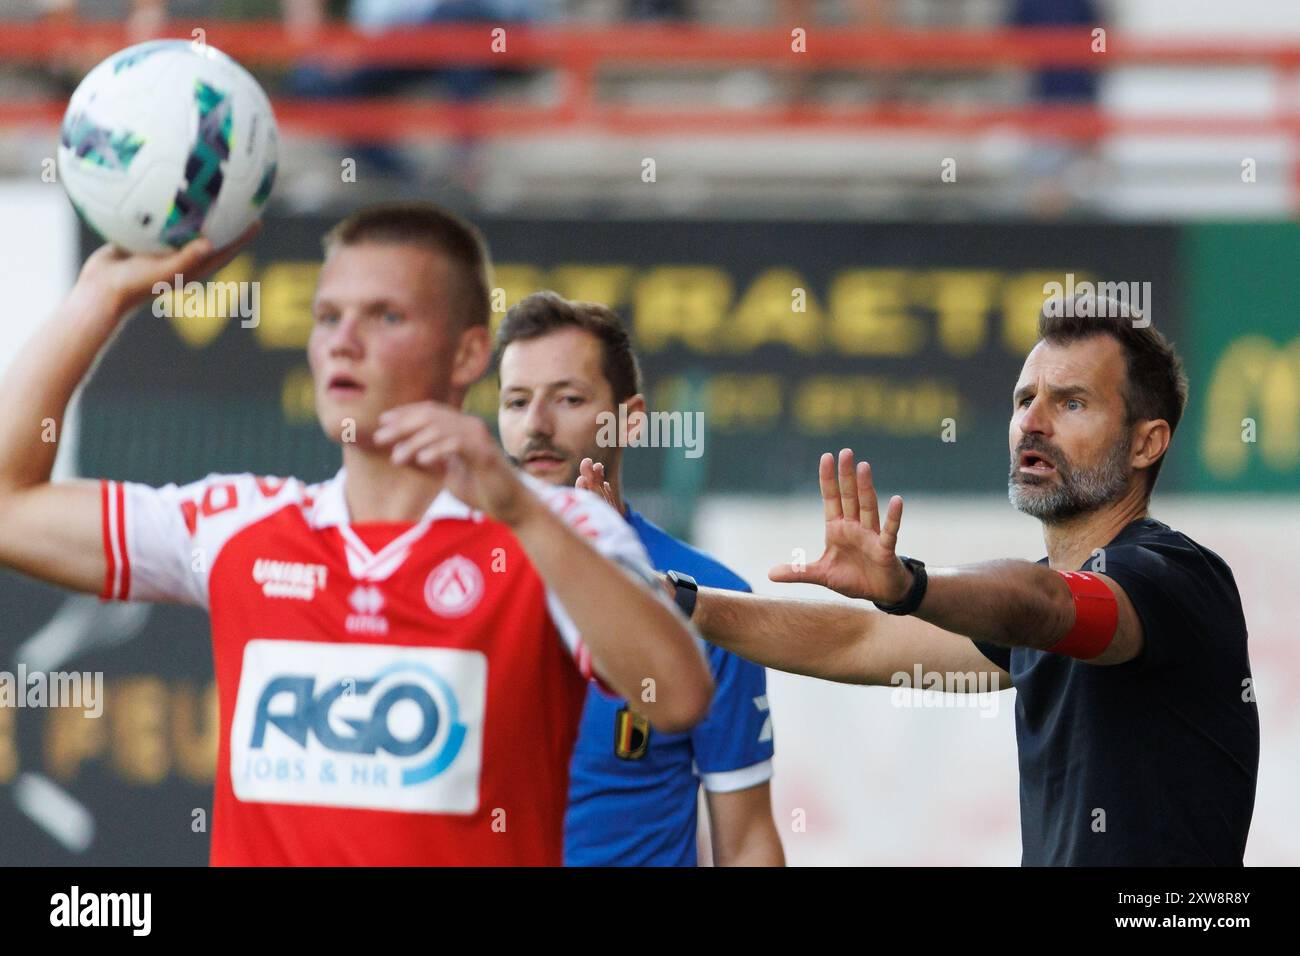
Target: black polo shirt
[(1151, 762)]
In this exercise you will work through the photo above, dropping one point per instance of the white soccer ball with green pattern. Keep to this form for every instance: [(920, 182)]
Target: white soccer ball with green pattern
[(166, 141)]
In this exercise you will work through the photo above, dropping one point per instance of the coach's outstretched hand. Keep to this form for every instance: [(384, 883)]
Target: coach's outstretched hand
[(859, 560), (444, 441)]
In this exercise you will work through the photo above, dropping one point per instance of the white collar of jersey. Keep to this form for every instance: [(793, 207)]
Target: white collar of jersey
[(331, 510), (331, 506)]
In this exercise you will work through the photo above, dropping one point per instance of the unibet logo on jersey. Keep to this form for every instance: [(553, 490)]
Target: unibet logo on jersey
[(359, 725)]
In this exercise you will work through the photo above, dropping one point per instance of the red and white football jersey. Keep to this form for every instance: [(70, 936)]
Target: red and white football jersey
[(391, 694)]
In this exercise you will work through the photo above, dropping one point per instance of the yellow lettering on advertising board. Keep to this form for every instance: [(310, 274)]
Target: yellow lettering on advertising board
[(199, 313), (831, 403), (144, 726), (72, 738), (607, 285), (288, 289), (866, 312), (516, 281), (765, 315), (961, 300), (744, 401), (730, 402), (195, 723), (870, 316), (1255, 377), (138, 718), (680, 303), (8, 745), (1022, 302)]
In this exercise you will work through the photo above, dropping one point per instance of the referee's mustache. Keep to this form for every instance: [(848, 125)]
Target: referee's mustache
[(533, 447)]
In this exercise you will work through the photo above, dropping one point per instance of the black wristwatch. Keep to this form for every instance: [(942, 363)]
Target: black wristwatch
[(915, 594), (685, 591)]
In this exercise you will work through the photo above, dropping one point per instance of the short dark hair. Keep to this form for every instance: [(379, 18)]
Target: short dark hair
[(545, 312), (428, 226), (1156, 384)]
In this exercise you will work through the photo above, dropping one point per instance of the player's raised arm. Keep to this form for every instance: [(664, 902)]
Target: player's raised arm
[(52, 531), (836, 642), (1009, 603), (639, 644)]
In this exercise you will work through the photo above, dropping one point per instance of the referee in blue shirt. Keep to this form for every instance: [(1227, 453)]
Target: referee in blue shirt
[(634, 792)]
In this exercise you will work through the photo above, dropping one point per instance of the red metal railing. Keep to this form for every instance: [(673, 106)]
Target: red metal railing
[(579, 54), (576, 47)]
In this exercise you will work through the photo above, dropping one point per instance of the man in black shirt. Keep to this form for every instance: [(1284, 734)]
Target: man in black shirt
[(1136, 726)]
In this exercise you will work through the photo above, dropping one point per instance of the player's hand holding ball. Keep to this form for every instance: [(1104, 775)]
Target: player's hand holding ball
[(443, 441), (118, 281), (860, 559)]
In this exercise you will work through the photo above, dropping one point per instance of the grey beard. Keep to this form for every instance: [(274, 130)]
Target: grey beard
[(1078, 491)]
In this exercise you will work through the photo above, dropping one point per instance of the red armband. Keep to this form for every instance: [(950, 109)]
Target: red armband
[(1096, 615)]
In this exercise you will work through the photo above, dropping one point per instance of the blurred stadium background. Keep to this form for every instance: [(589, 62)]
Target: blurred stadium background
[(1162, 149)]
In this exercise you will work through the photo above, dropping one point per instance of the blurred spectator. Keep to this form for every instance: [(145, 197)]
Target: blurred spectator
[(1078, 86), (379, 16), (1058, 172), (145, 18), (657, 10), (71, 56), (463, 83)]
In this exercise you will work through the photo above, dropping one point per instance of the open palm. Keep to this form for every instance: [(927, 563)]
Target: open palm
[(860, 559)]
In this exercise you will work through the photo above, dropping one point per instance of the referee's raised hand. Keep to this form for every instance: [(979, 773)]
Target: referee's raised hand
[(860, 559)]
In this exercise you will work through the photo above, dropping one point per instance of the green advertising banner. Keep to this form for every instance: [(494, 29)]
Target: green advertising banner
[(1242, 348)]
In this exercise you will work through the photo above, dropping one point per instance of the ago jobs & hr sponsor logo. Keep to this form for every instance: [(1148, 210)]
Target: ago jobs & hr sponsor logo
[(359, 725)]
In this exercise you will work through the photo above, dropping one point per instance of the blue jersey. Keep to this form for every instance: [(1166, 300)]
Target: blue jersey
[(633, 791)]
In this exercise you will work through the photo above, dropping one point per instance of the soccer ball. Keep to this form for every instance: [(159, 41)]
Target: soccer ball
[(167, 141)]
